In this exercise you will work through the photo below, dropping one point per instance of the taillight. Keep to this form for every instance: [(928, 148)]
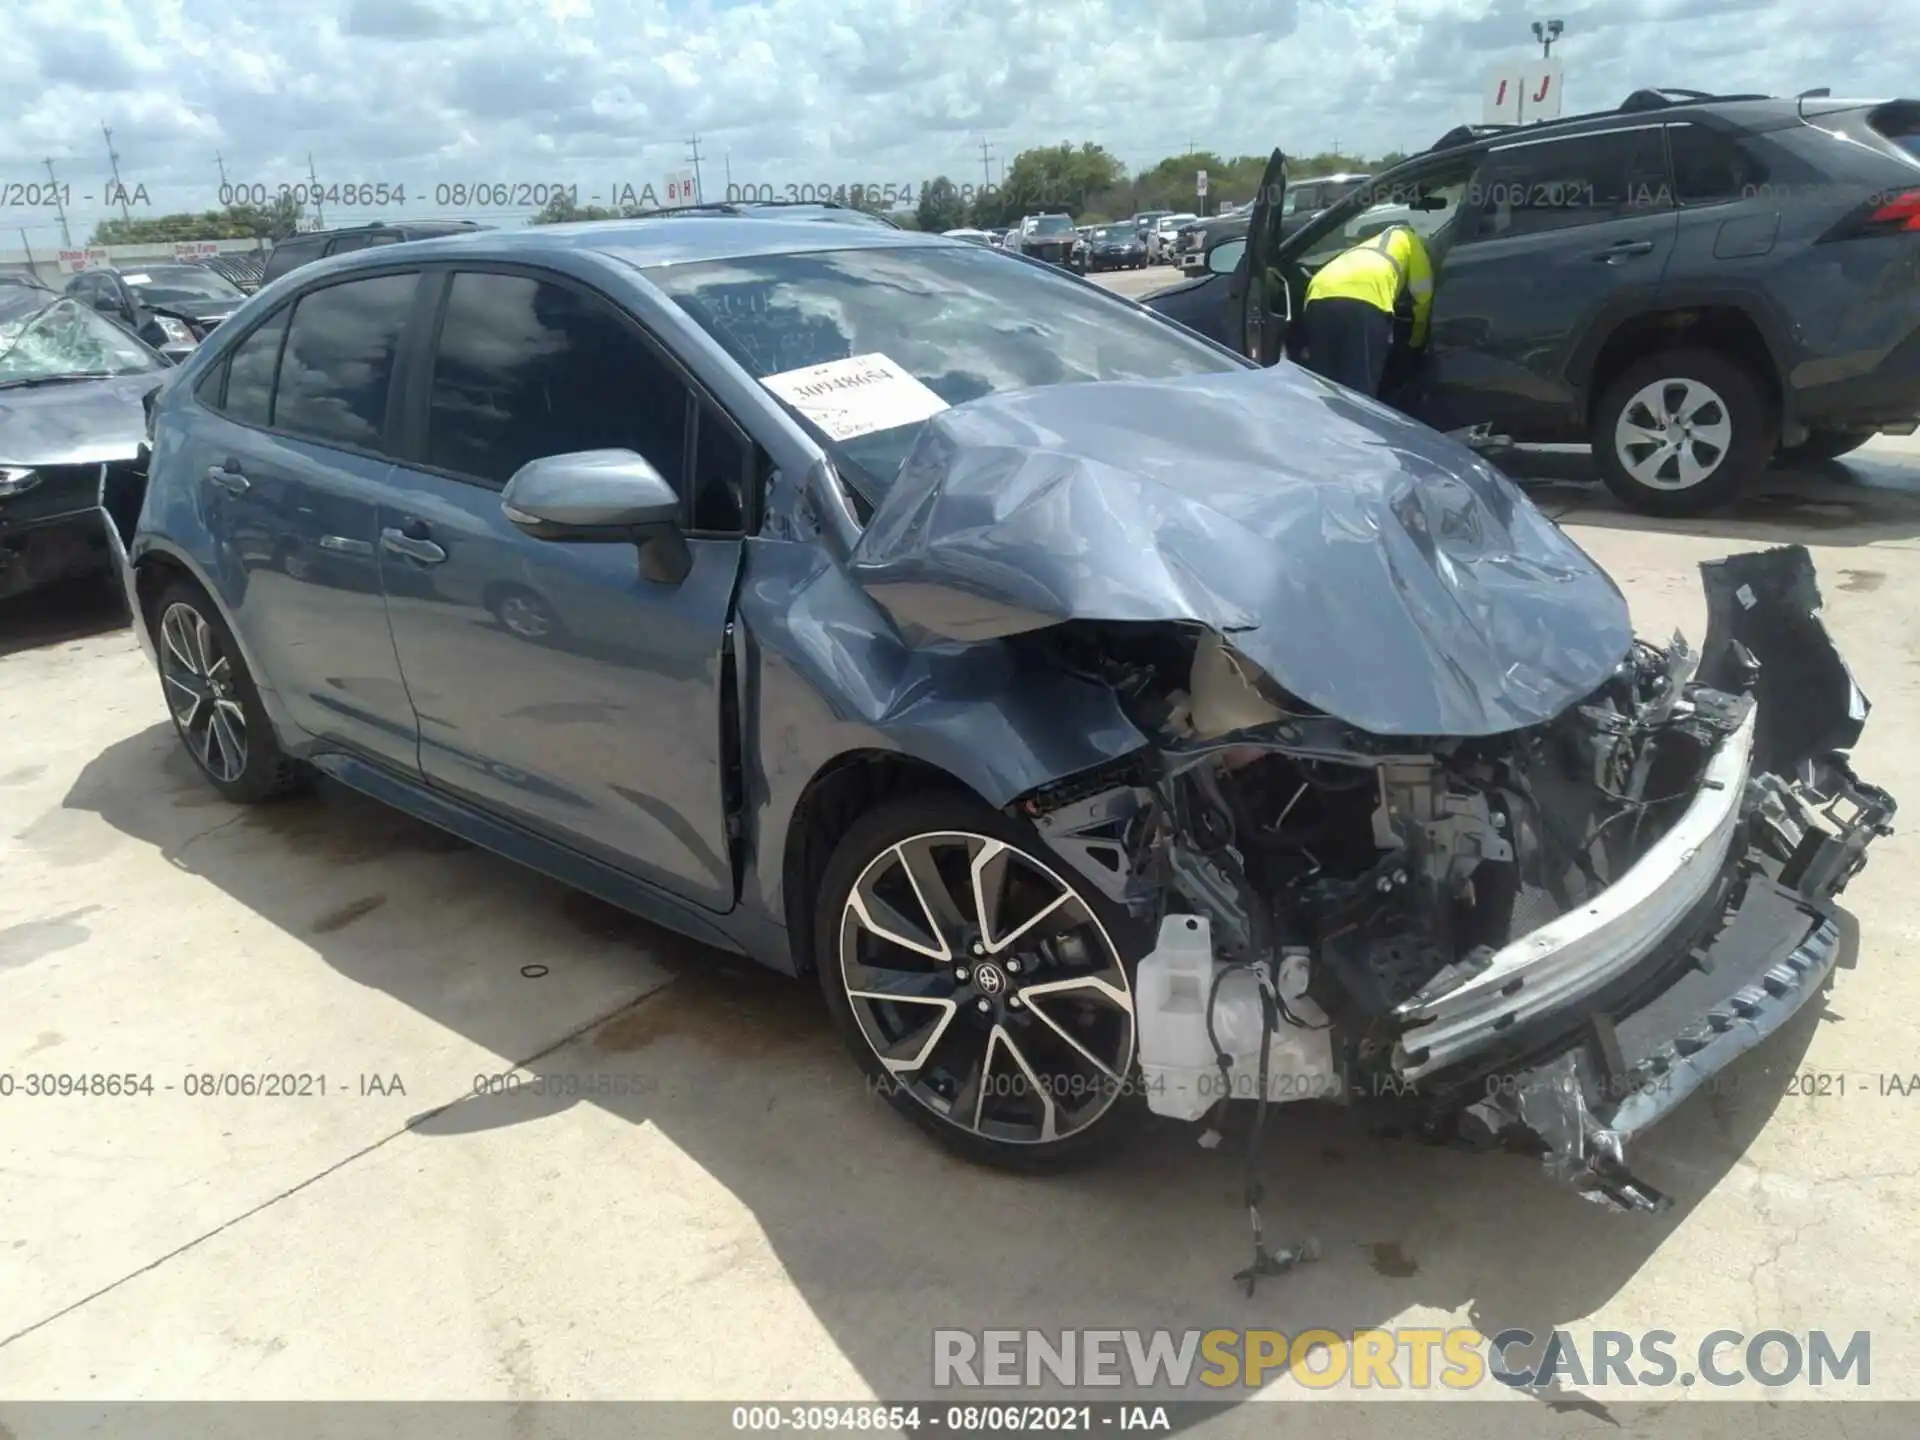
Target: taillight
[(1891, 213), (1902, 212)]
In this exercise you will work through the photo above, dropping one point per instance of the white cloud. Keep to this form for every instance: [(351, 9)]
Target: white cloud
[(842, 91)]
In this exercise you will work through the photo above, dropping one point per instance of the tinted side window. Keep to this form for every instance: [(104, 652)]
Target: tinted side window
[(348, 242), (339, 360), (289, 255), (1581, 180), (250, 371), (1709, 167), (526, 369)]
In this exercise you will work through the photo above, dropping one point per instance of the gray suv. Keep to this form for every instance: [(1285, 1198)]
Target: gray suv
[(1689, 283)]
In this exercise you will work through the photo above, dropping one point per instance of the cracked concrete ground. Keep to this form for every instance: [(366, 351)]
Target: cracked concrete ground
[(734, 1216)]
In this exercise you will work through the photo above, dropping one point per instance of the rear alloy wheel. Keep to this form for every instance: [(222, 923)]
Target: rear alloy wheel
[(214, 704), (979, 984), (1681, 433)]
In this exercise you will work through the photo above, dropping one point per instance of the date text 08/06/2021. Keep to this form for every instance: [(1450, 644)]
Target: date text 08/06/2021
[(921, 1419), (507, 194)]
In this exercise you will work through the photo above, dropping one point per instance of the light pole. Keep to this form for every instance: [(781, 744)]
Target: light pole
[(1546, 34)]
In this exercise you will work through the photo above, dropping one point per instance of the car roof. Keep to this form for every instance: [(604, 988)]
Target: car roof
[(666, 240), (1642, 107)]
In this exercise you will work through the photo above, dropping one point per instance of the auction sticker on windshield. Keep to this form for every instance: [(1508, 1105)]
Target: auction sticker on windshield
[(856, 396)]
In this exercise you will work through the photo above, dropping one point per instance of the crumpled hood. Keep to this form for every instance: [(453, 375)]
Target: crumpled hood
[(75, 422), (1372, 567)]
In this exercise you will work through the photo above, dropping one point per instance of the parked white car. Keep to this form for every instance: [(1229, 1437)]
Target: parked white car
[(1160, 238)]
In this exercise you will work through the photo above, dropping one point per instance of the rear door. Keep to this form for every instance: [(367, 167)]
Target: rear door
[(1556, 236), (555, 684), (1267, 305), (289, 440)]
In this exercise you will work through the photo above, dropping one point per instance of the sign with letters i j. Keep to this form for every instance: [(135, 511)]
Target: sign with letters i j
[(1522, 92)]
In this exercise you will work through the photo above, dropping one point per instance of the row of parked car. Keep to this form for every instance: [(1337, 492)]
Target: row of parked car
[(1690, 284)]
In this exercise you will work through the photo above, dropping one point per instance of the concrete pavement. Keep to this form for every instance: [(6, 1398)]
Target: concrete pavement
[(726, 1213)]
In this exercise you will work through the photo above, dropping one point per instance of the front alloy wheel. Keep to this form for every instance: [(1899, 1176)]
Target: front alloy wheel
[(980, 986), (1673, 434)]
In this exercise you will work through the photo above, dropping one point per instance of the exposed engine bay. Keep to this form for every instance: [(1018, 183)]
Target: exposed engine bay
[(1424, 923)]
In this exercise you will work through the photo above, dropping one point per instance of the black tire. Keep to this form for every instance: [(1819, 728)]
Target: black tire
[(1083, 942), (1737, 413), (206, 685), (1824, 445)]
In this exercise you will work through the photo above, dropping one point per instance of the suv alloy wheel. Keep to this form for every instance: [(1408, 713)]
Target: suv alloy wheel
[(1681, 432)]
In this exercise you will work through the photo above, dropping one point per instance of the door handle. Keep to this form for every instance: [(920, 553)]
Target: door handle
[(1623, 249), (413, 546), (229, 477)]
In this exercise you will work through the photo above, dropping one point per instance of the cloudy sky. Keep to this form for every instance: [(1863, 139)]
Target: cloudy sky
[(602, 93)]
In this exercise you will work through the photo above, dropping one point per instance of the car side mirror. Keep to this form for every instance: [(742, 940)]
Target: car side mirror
[(1225, 257), (599, 496)]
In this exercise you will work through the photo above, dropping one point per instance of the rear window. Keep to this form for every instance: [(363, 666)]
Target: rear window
[(1900, 124)]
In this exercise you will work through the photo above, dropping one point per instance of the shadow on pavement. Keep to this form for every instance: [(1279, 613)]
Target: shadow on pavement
[(884, 1235), (70, 610), (1864, 499)]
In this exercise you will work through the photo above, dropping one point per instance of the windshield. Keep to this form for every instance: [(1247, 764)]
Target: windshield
[(1114, 232), (164, 284), (50, 340), (1048, 225), (962, 321)]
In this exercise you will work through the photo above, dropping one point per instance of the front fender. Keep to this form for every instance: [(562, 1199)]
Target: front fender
[(826, 674)]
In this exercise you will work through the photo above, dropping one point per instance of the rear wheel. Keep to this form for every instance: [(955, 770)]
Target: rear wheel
[(985, 989), (1682, 432), (1826, 445), (213, 701)]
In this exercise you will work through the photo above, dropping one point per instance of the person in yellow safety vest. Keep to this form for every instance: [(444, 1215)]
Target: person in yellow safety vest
[(1364, 298)]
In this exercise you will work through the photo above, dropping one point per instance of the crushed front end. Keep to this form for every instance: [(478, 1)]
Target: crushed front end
[(1547, 937)]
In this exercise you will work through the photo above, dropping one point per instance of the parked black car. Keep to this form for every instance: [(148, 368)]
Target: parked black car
[(297, 250), (1051, 238), (71, 387), (170, 306), (1116, 247), (1690, 283)]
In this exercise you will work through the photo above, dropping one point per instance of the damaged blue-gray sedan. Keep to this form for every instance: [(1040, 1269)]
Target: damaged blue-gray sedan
[(1111, 725)]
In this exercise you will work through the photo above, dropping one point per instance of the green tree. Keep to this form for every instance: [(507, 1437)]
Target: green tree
[(940, 207), (561, 211), (1050, 178), (273, 221)]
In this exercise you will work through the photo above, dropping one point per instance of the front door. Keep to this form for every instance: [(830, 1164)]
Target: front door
[(1555, 236), (555, 684), (1268, 306)]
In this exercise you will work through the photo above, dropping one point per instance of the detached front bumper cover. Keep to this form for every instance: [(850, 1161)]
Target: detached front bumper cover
[(1722, 932)]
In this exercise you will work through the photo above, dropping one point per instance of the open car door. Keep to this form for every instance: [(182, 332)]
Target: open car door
[(1268, 306)]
